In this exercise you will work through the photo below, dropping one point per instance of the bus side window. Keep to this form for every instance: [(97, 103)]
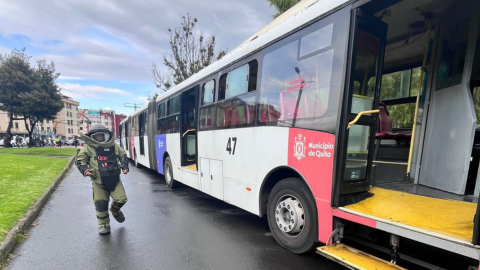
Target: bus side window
[(161, 118), (302, 76), (222, 87), (173, 115), (239, 108), (207, 111)]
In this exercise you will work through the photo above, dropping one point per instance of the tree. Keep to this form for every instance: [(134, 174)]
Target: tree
[(282, 5), (190, 53), (15, 79), (45, 100), (151, 96), (393, 87)]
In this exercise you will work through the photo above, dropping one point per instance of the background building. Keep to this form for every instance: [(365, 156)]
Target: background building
[(108, 118), (65, 123)]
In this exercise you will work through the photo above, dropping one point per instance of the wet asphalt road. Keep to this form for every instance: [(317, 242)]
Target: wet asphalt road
[(164, 229)]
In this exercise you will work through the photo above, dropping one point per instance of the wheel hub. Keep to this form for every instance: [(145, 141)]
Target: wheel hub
[(167, 174), (290, 216)]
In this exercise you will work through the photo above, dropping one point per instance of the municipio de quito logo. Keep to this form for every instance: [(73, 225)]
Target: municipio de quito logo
[(299, 147)]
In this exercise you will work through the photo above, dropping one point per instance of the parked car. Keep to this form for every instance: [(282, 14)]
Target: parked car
[(69, 142)]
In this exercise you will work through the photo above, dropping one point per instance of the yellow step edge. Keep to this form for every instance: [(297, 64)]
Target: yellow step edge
[(192, 167), (355, 259)]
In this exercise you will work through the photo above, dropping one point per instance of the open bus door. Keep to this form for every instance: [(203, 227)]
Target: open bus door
[(142, 129), (451, 120), (188, 112), (357, 131)]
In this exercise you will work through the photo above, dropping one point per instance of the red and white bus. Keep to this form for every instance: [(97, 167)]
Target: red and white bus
[(350, 124)]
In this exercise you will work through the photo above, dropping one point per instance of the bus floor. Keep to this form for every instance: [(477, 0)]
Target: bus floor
[(392, 177), (451, 218)]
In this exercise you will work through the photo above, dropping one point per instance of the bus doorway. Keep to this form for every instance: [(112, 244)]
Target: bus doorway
[(427, 77), (142, 120), (188, 131), (361, 101)]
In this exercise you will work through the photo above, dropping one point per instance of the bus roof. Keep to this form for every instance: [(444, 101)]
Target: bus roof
[(298, 15), (124, 120), (139, 110)]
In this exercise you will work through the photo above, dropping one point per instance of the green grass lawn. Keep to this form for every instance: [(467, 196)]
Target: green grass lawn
[(40, 151), (23, 179)]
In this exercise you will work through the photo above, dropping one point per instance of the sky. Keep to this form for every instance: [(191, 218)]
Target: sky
[(104, 49)]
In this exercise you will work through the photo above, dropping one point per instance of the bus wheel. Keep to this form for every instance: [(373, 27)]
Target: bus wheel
[(168, 172), (136, 161), (291, 215)]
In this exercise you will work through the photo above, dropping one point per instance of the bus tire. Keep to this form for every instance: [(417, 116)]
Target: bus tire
[(168, 173), (136, 161), (291, 215)]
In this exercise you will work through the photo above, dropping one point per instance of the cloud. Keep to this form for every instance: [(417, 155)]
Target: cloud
[(119, 39), (77, 91), (143, 98), (69, 78)]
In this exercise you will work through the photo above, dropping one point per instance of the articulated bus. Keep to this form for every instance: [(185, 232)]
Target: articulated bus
[(352, 125)]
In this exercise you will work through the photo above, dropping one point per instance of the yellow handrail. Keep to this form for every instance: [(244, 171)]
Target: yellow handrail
[(417, 103), (185, 133), (360, 115)]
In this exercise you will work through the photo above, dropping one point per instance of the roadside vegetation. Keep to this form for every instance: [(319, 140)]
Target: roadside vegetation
[(40, 151), (25, 175)]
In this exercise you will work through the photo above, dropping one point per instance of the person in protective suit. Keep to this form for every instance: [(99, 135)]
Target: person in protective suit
[(102, 160)]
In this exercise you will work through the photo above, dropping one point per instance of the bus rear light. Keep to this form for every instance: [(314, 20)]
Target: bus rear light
[(249, 189)]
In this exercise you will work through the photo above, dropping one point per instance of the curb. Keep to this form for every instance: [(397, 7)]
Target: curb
[(8, 244)]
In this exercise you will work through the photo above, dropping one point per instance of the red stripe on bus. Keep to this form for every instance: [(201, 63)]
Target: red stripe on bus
[(311, 154), (357, 219)]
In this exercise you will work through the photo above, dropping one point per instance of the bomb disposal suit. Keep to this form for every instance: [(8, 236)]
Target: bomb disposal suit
[(103, 160)]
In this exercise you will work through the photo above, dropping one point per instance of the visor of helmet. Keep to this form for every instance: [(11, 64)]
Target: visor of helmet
[(100, 137)]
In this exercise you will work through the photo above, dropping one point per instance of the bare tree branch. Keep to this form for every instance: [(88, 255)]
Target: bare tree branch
[(189, 54)]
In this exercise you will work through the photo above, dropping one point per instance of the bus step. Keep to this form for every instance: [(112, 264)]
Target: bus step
[(355, 259)]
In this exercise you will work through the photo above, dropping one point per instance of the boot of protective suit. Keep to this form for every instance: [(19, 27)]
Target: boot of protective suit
[(102, 230), (118, 215)]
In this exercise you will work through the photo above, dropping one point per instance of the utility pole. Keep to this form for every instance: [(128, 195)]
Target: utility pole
[(131, 105)]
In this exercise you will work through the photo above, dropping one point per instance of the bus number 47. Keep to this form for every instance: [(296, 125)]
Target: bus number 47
[(229, 145)]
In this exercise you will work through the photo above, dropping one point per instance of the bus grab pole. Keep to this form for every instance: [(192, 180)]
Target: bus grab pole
[(419, 93)]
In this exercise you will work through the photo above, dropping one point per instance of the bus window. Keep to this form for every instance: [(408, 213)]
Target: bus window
[(396, 85), (453, 49), (239, 110), (161, 118), (222, 86), (134, 126), (173, 118), (236, 112), (242, 80), (252, 76), (207, 116), (208, 92), (237, 82), (302, 77), (400, 85), (476, 104)]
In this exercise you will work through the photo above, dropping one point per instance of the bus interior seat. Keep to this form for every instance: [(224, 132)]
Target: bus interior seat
[(384, 125), (385, 131)]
